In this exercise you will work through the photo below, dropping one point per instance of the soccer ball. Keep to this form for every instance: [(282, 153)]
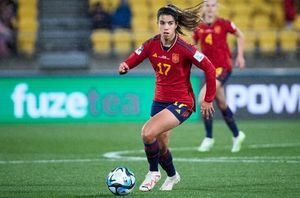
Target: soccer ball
[(120, 181)]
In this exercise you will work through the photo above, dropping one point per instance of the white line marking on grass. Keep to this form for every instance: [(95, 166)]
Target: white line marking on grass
[(119, 156), (51, 161), (253, 159), (274, 145)]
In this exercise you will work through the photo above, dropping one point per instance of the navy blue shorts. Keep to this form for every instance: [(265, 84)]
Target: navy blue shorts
[(181, 111), (222, 75)]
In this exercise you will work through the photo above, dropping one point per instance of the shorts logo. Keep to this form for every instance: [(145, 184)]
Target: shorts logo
[(175, 58), (183, 112)]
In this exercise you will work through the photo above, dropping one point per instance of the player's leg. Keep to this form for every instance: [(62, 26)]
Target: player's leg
[(239, 136), (208, 142), (166, 162), (226, 112), (165, 156), (156, 125)]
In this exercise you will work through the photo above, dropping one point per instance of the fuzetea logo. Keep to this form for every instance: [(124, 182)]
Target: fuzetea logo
[(74, 105), (48, 104)]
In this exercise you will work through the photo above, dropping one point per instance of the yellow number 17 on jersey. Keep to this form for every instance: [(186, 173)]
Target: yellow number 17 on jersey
[(163, 68)]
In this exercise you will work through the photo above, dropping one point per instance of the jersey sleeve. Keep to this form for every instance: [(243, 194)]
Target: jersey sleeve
[(202, 62), (138, 55), (230, 26)]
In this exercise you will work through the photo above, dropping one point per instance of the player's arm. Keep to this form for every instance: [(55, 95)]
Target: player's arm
[(202, 62), (123, 68), (134, 59), (231, 28), (240, 60)]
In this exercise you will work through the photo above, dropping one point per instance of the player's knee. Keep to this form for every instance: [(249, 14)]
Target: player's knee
[(147, 135)]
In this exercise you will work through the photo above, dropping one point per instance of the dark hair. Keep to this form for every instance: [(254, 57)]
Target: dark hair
[(188, 18)]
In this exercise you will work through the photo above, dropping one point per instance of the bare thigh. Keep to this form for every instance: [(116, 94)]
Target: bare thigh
[(220, 98), (219, 91), (158, 124)]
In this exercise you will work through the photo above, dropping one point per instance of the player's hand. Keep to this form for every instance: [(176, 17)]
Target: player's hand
[(207, 109), (240, 62), (123, 68)]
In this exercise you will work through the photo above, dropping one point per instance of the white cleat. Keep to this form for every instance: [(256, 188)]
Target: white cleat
[(151, 179), (237, 142), (170, 182), (206, 144)]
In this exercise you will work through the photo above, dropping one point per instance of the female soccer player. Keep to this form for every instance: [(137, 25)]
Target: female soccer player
[(212, 37), (174, 101)]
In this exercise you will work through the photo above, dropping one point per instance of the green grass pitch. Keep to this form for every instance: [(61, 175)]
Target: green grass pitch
[(67, 160)]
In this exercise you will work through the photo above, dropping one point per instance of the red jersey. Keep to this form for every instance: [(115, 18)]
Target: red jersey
[(213, 41), (173, 68)]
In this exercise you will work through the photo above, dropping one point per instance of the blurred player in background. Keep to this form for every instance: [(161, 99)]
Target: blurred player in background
[(212, 35), (174, 101)]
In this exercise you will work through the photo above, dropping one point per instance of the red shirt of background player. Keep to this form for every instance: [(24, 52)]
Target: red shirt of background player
[(173, 69), (213, 41)]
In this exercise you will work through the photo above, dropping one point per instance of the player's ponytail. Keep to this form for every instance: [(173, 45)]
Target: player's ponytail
[(188, 18)]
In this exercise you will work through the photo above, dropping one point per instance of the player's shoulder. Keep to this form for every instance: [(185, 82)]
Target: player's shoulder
[(185, 45), (227, 23), (155, 38), (223, 20), (201, 25)]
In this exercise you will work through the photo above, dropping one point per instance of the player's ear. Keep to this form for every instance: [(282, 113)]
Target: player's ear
[(176, 24)]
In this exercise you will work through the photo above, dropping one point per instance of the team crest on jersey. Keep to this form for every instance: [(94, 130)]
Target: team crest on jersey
[(154, 55), (217, 29), (139, 50), (175, 58)]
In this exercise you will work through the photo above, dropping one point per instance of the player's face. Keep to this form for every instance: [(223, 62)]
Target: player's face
[(210, 8), (167, 26)]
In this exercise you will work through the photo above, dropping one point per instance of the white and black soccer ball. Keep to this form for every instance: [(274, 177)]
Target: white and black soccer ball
[(120, 181)]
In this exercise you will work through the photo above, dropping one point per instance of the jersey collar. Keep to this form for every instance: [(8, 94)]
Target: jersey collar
[(212, 24), (175, 40)]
